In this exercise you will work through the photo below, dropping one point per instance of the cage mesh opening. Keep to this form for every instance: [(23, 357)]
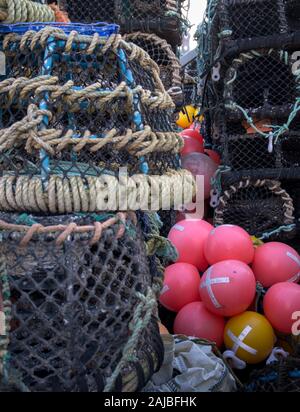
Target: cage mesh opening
[(261, 84)]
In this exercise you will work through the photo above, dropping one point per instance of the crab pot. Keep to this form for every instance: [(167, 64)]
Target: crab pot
[(261, 83), (77, 297), (160, 52), (103, 109), (244, 22), (281, 376), (245, 152), (258, 206), (158, 16)]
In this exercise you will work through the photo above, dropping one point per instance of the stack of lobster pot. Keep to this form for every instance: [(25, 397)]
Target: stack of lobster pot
[(80, 273), (248, 62), (155, 26)]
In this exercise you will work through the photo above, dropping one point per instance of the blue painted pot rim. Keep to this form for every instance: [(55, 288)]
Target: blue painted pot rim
[(103, 29)]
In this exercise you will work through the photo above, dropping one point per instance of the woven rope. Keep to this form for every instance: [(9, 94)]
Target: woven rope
[(18, 11), (13, 89), (54, 141), (92, 194), (64, 231)]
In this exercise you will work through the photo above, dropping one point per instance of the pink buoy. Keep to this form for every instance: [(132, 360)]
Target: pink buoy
[(282, 307), (200, 165), (228, 288), (228, 242), (188, 236), (181, 284), (195, 320), (191, 145), (193, 133), (276, 262)]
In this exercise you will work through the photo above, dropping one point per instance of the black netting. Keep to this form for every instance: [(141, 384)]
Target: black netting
[(260, 206), (163, 17), (73, 304), (190, 83), (168, 219), (281, 376), (241, 25), (160, 52), (247, 153), (241, 19), (261, 83)]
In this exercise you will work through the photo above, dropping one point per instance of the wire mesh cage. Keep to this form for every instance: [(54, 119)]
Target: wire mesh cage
[(247, 20), (79, 302), (261, 84), (254, 153), (160, 52), (281, 376), (261, 207), (162, 17)]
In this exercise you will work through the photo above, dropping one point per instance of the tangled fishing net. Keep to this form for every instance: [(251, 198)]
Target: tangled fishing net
[(282, 376)]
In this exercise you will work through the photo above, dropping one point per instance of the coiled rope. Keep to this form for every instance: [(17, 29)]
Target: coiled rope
[(18, 11), (94, 194)]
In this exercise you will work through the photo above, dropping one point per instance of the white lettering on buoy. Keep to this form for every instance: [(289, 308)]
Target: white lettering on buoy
[(179, 227), (164, 289), (239, 341), (293, 257), (209, 282)]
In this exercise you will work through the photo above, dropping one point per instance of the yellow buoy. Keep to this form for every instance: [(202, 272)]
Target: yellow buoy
[(186, 117), (250, 337)]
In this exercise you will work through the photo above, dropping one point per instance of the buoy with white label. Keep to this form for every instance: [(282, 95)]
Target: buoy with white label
[(249, 338), (276, 262), (228, 288)]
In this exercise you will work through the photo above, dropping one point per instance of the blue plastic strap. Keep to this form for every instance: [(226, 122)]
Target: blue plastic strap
[(103, 29)]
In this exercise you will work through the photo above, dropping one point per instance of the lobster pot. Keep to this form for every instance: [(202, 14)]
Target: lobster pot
[(160, 52), (162, 17), (245, 22), (90, 104), (258, 206), (20, 11), (281, 376), (247, 153), (82, 301), (261, 84)]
